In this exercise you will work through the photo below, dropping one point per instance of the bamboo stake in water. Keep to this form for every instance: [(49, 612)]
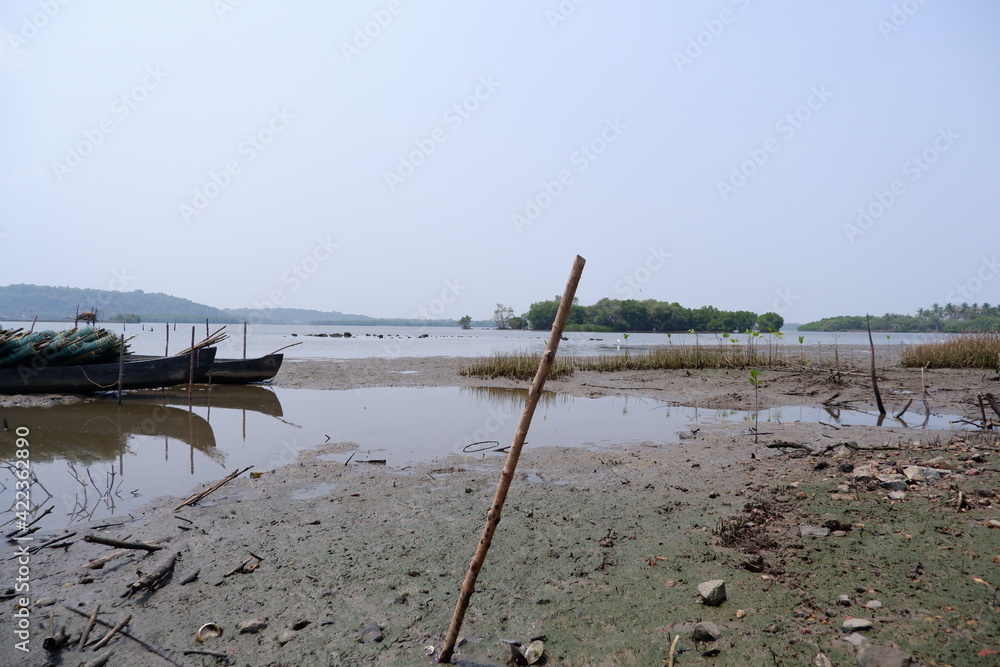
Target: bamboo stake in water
[(878, 396), (191, 368), (244, 339), (166, 350), (507, 475), (121, 367)]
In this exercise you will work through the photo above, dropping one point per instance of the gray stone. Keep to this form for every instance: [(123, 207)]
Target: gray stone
[(882, 656), (857, 640), (706, 631), (713, 593), (873, 604), (922, 474), (844, 600), (855, 624), (834, 522), (813, 531), (373, 633), (252, 626), (893, 482), (897, 495), (938, 462)]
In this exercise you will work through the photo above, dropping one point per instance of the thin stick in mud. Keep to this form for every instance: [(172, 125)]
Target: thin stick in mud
[(507, 475), (878, 396)]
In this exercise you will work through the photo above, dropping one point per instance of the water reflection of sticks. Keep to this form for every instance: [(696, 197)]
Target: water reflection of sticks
[(82, 511)]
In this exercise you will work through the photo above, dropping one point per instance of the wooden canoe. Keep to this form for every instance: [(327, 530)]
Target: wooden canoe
[(245, 371), (93, 378)]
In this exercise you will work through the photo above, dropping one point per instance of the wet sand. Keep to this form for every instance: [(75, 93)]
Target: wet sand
[(600, 551)]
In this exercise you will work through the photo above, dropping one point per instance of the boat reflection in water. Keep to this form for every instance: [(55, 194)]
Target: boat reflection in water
[(140, 439)]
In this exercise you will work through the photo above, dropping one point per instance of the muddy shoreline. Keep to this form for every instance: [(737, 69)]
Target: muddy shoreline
[(599, 551)]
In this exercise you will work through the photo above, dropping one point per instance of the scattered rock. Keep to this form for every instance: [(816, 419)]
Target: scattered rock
[(844, 600), (833, 522), (893, 482), (741, 613), (857, 640), (822, 661), (938, 462), (252, 626), (713, 593), (48, 602), (855, 624), (882, 656), (873, 604), (992, 523), (896, 495), (286, 636), (706, 631), (813, 531), (372, 633)]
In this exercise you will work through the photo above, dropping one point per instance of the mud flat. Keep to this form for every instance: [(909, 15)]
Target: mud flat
[(814, 529)]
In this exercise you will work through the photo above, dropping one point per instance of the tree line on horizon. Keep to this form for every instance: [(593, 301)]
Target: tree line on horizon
[(950, 318), (633, 315)]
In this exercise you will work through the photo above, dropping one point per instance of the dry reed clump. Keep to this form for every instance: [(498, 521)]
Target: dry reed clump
[(967, 350)]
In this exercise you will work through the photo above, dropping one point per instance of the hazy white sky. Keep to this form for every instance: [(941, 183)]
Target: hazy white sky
[(399, 158)]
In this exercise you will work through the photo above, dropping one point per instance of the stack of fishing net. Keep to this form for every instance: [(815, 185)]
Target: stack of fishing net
[(85, 345)]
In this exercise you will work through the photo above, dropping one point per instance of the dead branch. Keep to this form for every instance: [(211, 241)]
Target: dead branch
[(905, 408), (97, 539), (87, 628), (102, 642), (163, 653), (152, 579), (190, 500)]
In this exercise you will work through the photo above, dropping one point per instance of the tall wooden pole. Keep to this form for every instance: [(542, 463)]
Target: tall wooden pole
[(878, 396), (244, 339), (507, 475), (166, 350), (121, 367), (191, 369)]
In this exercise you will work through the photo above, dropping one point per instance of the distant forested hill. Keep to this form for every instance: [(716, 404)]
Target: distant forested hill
[(24, 302), (948, 318)]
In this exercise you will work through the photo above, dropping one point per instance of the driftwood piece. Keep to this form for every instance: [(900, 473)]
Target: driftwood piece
[(190, 500), (100, 660), (102, 642), (87, 628), (101, 561), (163, 653), (55, 641), (152, 579), (54, 540), (507, 474), (97, 539), (906, 407), (21, 532), (993, 403)]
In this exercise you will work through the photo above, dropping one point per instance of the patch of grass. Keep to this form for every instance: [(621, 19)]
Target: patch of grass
[(971, 350), (517, 366)]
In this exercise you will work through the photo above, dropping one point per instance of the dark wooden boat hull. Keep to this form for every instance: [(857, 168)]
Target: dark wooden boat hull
[(93, 378), (244, 371)]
